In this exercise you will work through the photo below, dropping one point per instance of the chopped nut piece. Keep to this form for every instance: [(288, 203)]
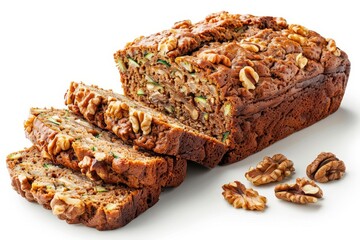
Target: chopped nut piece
[(326, 167), (67, 207), (301, 61), (215, 58), (240, 197), (100, 156), (167, 44), (140, 120), (248, 77), (28, 124), (297, 38), (331, 46), (303, 191), (303, 31), (114, 109), (186, 65), (273, 169), (252, 47), (256, 41), (61, 142)]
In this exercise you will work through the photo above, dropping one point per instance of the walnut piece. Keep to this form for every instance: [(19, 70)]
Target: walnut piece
[(326, 167), (88, 102), (331, 46), (140, 120), (215, 58), (297, 38), (258, 42), (167, 44), (252, 47), (66, 207), (28, 124), (61, 142), (270, 169), (301, 61), (248, 77), (303, 31), (240, 197), (115, 108), (303, 191)]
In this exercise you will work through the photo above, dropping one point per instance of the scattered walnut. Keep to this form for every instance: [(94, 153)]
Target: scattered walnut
[(167, 44), (301, 61), (326, 167), (140, 120), (60, 142), (270, 169), (303, 191), (66, 207), (297, 38), (215, 58), (185, 64), (194, 114), (303, 31), (331, 46), (240, 197), (248, 77)]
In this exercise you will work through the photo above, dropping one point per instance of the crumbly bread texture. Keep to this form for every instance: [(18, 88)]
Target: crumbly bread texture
[(72, 196), (248, 81), (141, 126), (68, 139)]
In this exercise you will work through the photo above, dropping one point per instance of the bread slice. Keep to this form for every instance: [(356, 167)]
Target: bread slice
[(142, 126), (72, 196), (68, 139)]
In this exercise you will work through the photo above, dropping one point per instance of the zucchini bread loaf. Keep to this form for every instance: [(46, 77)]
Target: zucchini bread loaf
[(71, 141), (247, 81), (72, 196), (142, 126)]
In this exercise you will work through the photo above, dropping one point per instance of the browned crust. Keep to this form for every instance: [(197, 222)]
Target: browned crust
[(135, 202), (133, 168), (209, 59), (173, 139), (290, 112)]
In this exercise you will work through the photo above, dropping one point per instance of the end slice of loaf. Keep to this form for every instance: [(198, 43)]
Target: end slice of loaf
[(73, 197), (142, 126), (69, 140)]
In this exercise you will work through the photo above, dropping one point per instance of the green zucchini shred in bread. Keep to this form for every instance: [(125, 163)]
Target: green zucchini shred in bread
[(246, 80), (141, 126), (73, 197), (70, 140)]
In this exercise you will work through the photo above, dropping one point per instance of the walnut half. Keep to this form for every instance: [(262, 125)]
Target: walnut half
[(270, 169), (240, 197), (303, 191), (326, 167)]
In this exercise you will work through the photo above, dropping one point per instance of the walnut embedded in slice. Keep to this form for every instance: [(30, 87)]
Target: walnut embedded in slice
[(303, 191), (240, 197), (270, 169), (326, 167)]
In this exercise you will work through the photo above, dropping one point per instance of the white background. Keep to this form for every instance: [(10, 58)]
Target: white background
[(44, 46)]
